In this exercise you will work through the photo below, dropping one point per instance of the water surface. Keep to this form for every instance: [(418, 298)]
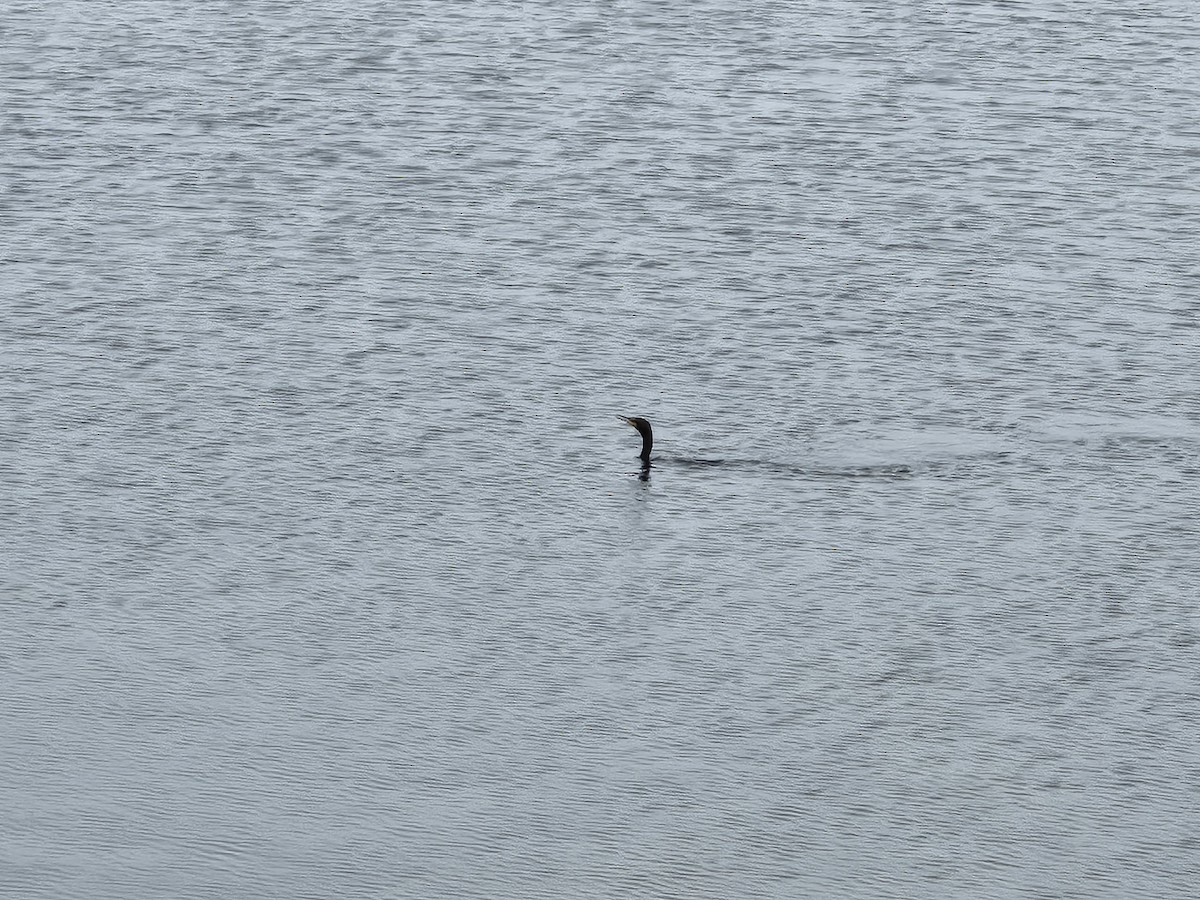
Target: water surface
[(328, 570)]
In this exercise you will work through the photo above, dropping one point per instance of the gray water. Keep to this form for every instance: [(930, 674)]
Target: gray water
[(326, 569)]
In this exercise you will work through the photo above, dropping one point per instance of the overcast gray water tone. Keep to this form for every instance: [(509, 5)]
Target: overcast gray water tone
[(326, 569)]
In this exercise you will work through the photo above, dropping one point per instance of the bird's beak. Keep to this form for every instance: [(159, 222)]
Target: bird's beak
[(628, 421)]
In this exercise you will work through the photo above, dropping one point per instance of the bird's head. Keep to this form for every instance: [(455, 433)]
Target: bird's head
[(644, 429)]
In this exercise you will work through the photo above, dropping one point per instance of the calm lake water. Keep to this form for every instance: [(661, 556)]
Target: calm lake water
[(327, 570)]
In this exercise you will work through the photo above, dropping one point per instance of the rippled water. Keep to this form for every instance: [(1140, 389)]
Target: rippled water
[(327, 569)]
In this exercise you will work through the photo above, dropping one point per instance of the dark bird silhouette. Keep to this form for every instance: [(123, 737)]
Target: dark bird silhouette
[(885, 471), (647, 433)]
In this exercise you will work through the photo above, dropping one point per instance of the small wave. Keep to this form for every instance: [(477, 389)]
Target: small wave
[(882, 471)]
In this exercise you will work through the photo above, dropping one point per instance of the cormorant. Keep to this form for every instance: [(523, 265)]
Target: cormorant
[(647, 433)]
